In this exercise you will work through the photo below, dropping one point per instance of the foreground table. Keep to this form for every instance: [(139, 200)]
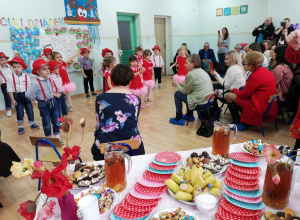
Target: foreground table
[(140, 164)]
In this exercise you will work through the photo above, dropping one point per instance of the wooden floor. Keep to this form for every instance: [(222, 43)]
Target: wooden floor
[(157, 133)]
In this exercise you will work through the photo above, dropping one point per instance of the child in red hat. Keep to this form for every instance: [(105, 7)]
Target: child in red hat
[(148, 75), (42, 90), (107, 65), (68, 86), (105, 53), (47, 54), (58, 88), (17, 85), (158, 63), (5, 72), (87, 69)]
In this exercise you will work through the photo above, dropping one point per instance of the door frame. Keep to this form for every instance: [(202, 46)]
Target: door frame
[(133, 31), (168, 41)]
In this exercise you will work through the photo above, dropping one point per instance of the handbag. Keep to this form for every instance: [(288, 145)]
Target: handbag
[(207, 127)]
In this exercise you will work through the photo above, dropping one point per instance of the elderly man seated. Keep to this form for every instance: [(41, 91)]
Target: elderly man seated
[(207, 55)]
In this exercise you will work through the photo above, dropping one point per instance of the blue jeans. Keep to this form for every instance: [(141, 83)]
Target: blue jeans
[(6, 96), (49, 114), (179, 98), (21, 103), (61, 105), (221, 57)]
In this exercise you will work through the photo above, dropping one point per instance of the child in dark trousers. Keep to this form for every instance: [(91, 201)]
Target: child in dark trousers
[(87, 70), (158, 64), (42, 91), (17, 85)]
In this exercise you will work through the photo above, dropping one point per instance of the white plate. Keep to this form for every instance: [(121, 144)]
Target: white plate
[(78, 196), (156, 215), (224, 168), (188, 203), (263, 217), (242, 146)]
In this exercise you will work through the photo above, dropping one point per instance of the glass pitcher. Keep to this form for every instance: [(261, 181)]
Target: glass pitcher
[(115, 171), (221, 138)]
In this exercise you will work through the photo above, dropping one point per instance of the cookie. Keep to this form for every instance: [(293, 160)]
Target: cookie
[(274, 217), (289, 211), (267, 215)]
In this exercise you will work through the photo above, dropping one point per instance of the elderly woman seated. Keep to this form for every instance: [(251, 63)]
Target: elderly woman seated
[(193, 92), (117, 113), (253, 100)]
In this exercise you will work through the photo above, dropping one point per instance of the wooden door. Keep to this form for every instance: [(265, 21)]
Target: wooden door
[(160, 35), (127, 36)]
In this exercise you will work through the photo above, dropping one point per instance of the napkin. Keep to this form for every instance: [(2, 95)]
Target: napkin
[(88, 208)]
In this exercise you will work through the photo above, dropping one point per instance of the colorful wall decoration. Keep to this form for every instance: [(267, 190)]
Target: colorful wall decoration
[(219, 11), (81, 12), (31, 22), (227, 11), (235, 10), (243, 9)]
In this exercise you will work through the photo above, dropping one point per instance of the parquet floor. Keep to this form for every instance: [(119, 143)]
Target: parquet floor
[(157, 133)]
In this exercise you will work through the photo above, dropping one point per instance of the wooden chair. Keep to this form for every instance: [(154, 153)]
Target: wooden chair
[(272, 99), (128, 145)]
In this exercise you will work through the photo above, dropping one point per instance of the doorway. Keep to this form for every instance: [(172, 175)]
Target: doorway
[(160, 35), (127, 36)]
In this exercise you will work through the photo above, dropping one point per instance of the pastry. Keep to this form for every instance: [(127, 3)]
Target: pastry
[(289, 211), (267, 215)]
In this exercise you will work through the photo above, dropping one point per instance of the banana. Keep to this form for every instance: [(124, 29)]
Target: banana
[(194, 174), (199, 182), (218, 184), (187, 173), (215, 191), (177, 178), (172, 185), (180, 195), (200, 171), (210, 179), (181, 173), (207, 174), (186, 188)]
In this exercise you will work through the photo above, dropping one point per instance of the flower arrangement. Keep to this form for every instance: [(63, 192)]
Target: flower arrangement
[(55, 182)]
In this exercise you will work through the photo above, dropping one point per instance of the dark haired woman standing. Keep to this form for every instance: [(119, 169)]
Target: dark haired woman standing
[(223, 45)]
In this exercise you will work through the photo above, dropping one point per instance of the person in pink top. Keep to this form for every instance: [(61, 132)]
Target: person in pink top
[(58, 88), (182, 71), (68, 86), (282, 72)]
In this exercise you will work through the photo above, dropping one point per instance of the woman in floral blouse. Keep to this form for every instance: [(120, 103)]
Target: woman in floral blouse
[(117, 113)]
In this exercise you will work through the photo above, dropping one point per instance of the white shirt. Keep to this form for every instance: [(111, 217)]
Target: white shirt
[(157, 60), (6, 72), (20, 83), (267, 55), (265, 63)]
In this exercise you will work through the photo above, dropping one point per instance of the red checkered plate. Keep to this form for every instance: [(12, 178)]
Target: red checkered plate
[(141, 202), (225, 215), (238, 210), (240, 187), (218, 217), (120, 212), (155, 176), (137, 194), (242, 182), (242, 175), (246, 170), (244, 157), (159, 167), (243, 199), (168, 157), (150, 183), (134, 208), (149, 190)]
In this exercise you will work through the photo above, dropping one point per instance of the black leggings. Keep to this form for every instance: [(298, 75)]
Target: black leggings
[(157, 73), (88, 80)]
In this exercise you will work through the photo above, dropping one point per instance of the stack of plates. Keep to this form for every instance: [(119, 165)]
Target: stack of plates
[(147, 192), (242, 195)]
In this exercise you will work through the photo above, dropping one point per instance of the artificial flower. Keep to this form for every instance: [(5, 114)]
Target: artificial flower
[(271, 153), (69, 172), (276, 179), (72, 154), (27, 210), (19, 170), (38, 171), (295, 129), (66, 122), (46, 211), (82, 122), (55, 184)]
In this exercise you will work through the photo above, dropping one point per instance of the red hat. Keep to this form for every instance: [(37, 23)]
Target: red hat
[(38, 64), (19, 61), (105, 50), (53, 65), (3, 55), (156, 47), (83, 50), (47, 51)]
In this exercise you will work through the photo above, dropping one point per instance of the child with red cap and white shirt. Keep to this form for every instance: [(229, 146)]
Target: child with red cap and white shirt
[(87, 69), (42, 90), (5, 72), (47, 54), (58, 88), (105, 53), (158, 63), (17, 85)]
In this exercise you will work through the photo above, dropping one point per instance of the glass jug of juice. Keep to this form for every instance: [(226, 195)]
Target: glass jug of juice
[(221, 138), (115, 170)]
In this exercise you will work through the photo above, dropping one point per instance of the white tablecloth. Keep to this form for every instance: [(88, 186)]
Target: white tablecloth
[(140, 164)]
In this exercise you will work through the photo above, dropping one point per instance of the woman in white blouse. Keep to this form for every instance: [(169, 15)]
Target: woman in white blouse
[(235, 74)]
